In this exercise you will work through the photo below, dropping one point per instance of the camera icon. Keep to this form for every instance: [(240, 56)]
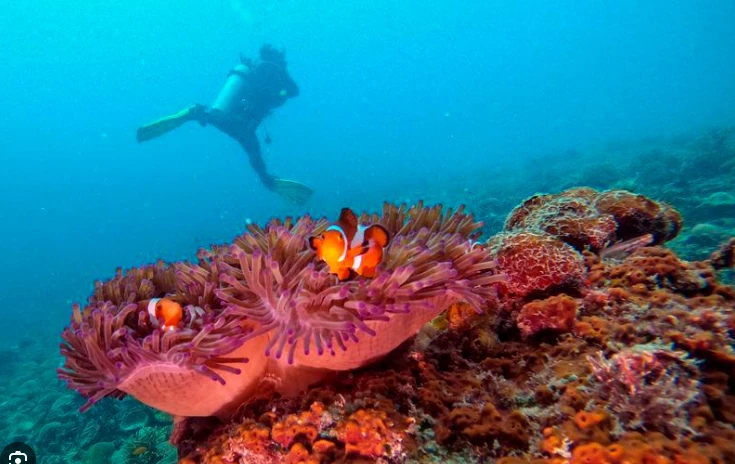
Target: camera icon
[(18, 453), (17, 457)]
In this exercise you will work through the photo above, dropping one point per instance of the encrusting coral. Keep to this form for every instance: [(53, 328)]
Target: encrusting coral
[(587, 219), (724, 257), (648, 389), (263, 310)]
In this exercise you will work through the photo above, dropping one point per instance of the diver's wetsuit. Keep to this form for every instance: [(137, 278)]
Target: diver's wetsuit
[(270, 87)]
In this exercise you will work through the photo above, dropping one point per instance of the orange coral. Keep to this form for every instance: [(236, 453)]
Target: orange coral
[(247, 439), (305, 425), (487, 424), (573, 397), (634, 450), (557, 313), (591, 453), (459, 315), (255, 438), (585, 420), (298, 454), (370, 433), (618, 294), (592, 328), (323, 446), (552, 442), (615, 452), (649, 266), (631, 448)]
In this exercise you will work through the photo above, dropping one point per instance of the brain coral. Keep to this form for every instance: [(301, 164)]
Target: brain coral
[(588, 219), (535, 263), (264, 308), (637, 215), (569, 216)]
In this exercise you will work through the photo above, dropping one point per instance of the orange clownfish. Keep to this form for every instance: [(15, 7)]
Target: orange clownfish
[(166, 311), (349, 248)]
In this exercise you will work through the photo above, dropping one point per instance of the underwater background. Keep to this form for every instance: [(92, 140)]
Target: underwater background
[(480, 103)]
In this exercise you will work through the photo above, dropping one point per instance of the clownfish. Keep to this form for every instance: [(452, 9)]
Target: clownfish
[(166, 311), (349, 248)]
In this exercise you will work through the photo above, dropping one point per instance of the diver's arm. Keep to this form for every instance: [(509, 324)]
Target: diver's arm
[(292, 89)]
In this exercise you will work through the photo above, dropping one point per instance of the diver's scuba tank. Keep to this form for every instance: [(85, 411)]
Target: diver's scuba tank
[(236, 89)]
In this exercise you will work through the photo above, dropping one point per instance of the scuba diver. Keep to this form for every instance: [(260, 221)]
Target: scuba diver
[(251, 92)]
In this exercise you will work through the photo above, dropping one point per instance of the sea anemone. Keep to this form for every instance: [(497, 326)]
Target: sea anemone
[(266, 295), (271, 277), (112, 348)]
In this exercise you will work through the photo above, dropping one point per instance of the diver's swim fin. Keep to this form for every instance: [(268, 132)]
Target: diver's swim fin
[(294, 192), (166, 124)]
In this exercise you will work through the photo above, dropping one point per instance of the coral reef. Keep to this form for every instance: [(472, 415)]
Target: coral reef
[(571, 216), (648, 389), (636, 215), (587, 219), (557, 313), (724, 257), (629, 359)]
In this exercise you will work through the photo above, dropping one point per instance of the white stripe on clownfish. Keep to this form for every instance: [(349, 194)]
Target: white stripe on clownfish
[(359, 236), (152, 311), (357, 241), (357, 262), (344, 237)]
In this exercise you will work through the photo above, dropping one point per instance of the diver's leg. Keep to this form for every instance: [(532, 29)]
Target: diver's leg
[(168, 123), (249, 142), (293, 191), (238, 130)]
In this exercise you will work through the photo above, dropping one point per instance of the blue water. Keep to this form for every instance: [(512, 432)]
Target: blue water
[(394, 97)]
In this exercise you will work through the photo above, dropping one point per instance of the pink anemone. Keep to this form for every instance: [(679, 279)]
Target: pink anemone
[(271, 277), (267, 301)]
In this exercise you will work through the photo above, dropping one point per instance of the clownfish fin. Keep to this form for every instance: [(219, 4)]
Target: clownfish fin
[(348, 274), (348, 222), (315, 243), (361, 249), (369, 272), (344, 273), (379, 234)]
